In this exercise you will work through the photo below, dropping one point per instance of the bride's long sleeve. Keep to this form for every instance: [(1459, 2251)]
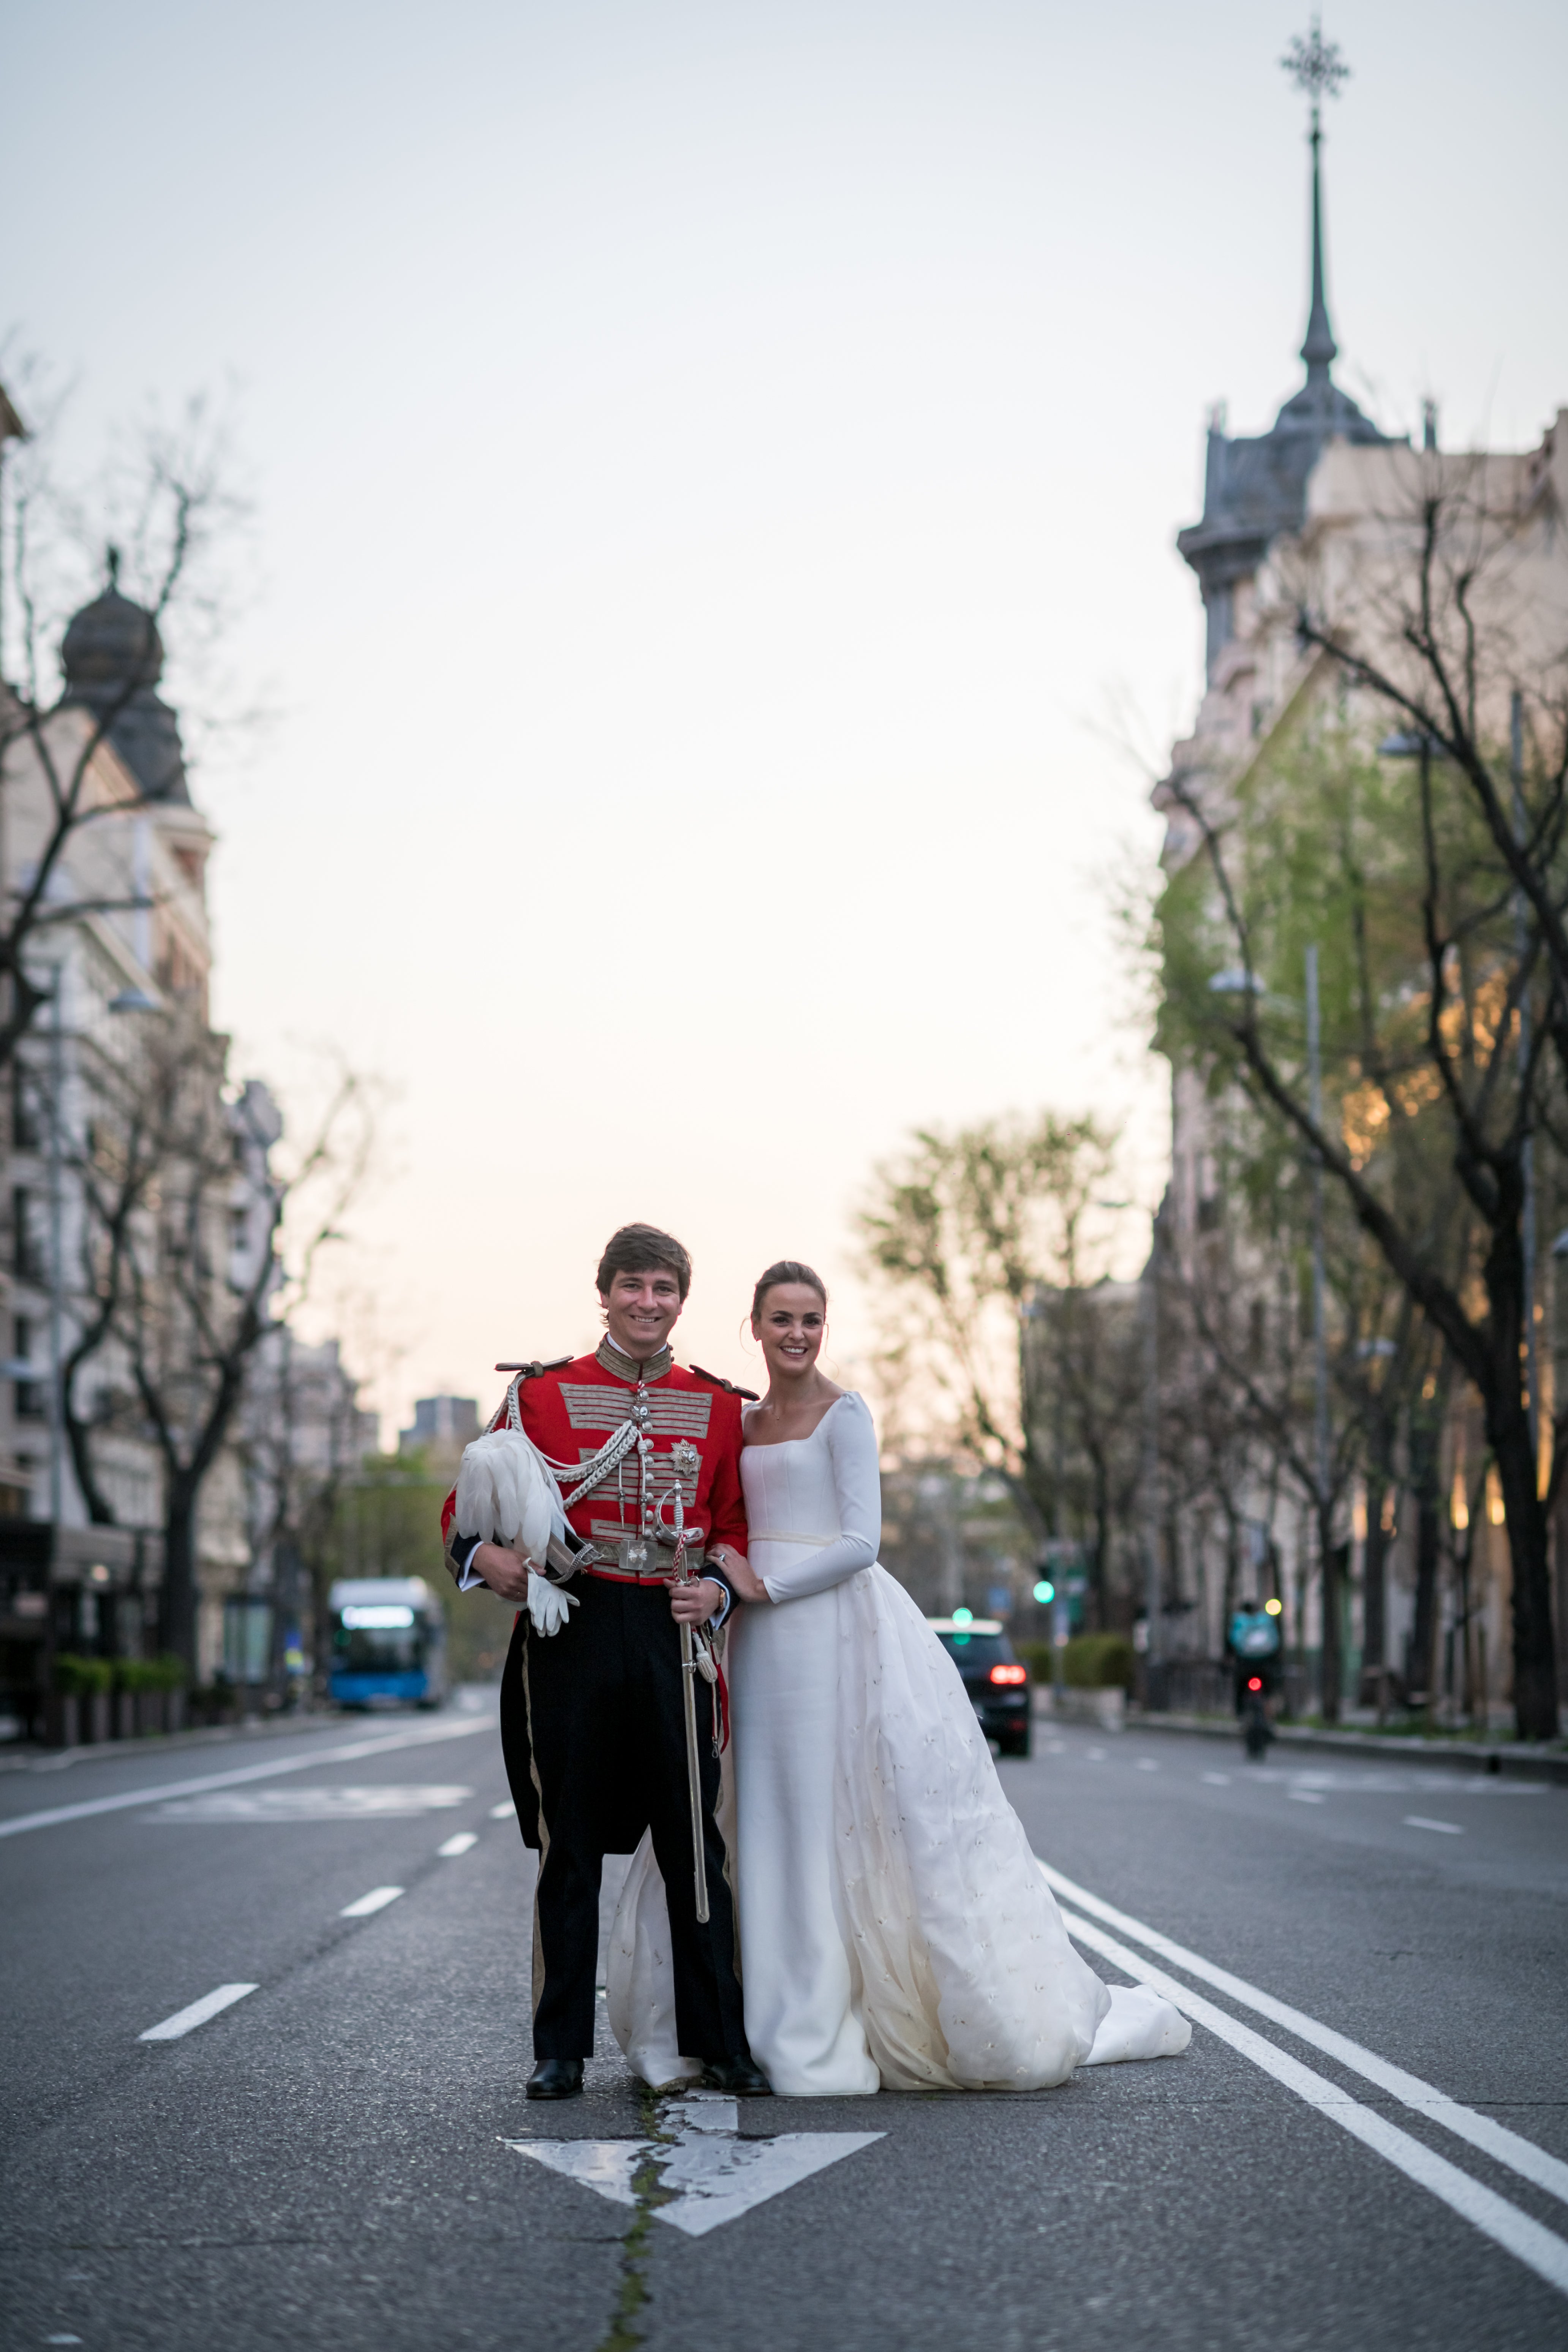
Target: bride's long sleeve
[(857, 1475)]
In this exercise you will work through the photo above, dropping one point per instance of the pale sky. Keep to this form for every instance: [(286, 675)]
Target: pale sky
[(712, 465)]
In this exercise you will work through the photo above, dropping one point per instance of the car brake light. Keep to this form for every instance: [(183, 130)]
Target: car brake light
[(1009, 1673), (1255, 1682)]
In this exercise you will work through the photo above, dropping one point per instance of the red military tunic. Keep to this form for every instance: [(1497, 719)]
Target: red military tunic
[(570, 1409)]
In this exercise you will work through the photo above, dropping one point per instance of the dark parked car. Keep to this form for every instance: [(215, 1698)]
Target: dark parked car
[(997, 1680)]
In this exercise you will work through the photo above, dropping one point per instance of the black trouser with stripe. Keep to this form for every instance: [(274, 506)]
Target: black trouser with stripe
[(594, 1729)]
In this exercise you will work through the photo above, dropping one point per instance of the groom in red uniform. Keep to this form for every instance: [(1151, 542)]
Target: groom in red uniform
[(592, 1716)]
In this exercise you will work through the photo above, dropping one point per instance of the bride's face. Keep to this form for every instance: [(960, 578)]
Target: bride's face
[(790, 1328)]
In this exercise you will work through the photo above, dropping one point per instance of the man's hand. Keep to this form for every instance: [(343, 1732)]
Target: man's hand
[(504, 1571), (693, 1604)]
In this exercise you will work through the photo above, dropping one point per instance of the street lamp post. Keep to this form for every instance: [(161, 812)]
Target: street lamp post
[(1330, 1602), (57, 1258)]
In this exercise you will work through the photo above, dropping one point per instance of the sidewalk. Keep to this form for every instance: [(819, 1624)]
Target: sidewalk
[(23, 1756), (1516, 1760)]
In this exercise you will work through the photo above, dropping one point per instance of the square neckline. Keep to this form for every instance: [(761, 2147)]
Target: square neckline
[(772, 1444)]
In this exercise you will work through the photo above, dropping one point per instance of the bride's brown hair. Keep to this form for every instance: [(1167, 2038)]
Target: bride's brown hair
[(788, 1269)]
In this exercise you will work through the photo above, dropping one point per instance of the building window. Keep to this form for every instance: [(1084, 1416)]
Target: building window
[(29, 1399), (26, 1131), (27, 1257)]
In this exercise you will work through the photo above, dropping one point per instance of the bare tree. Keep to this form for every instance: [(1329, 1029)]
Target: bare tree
[(178, 1299), (176, 508)]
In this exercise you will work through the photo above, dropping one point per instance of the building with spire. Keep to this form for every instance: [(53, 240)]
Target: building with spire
[(1255, 488), (124, 956), (1315, 513)]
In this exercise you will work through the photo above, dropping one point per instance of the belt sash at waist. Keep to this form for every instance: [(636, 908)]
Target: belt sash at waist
[(611, 1566), (786, 1534)]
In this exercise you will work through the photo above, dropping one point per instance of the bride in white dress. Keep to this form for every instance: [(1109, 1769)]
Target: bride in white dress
[(895, 1930)]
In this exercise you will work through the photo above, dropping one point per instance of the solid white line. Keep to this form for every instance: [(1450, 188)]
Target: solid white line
[(426, 1736), (1539, 2249), (184, 2020), (456, 1846), (1419, 1821), (1494, 2139), (376, 1900)]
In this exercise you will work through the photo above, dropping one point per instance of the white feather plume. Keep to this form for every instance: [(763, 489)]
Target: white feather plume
[(505, 1495)]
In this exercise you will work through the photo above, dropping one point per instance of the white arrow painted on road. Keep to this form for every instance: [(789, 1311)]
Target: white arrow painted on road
[(716, 2174)]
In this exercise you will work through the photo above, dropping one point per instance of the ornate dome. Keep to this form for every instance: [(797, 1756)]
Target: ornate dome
[(112, 658), (111, 641)]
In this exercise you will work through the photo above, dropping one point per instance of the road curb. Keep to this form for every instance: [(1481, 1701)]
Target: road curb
[(1510, 1762)]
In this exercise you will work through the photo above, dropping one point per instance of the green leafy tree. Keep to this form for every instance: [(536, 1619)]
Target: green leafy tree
[(975, 1238), (1434, 1078)]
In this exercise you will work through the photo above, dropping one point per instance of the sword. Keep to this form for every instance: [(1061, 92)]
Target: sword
[(686, 1461)]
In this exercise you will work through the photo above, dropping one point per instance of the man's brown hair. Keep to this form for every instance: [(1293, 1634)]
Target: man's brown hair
[(643, 1249)]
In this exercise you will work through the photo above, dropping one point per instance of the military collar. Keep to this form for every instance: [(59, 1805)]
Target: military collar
[(626, 1368)]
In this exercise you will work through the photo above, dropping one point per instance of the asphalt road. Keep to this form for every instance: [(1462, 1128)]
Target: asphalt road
[(324, 2162)]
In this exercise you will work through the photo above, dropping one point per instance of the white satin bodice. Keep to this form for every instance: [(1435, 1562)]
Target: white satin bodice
[(814, 1505)]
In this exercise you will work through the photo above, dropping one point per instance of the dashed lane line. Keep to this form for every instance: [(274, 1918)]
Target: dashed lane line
[(1538, 2247), (427, 1734), (1420, 1822), (376, 1900), (454, 1846), (185, 2020), (1494, 2139), (506, 1812)]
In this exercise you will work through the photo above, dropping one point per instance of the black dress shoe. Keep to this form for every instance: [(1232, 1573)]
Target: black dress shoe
[(556, 2078), (742, 2078)]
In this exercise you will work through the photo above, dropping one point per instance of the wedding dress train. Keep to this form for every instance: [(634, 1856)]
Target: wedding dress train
[(895, 1928)]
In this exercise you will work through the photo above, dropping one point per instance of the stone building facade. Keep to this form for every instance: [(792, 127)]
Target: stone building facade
[(1323, 509)]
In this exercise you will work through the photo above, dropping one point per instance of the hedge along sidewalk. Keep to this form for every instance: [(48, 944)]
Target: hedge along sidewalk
[(1520, 1762)]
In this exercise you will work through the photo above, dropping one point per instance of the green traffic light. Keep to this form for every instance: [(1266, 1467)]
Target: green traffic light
[(964, 1616), (1044, 1592)]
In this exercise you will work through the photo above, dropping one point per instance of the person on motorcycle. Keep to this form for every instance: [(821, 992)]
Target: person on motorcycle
[(1254, 1643)]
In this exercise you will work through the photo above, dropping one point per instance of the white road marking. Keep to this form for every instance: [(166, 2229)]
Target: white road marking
[(228, 1805), (507, 1812), (1147, 1764), (1306, 1796), (1494, 2139), (376, 1900), (1096, 1755), (1539, 2249), (454, 1846), (185, 2020), (424, 1737), (1420, 1822), (1218, 1779), (717, 2174)]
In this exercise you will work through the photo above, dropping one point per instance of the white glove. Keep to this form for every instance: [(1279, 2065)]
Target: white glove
[(547, 1605)]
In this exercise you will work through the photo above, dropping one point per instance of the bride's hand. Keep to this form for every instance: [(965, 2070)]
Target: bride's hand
[(743, 1583)]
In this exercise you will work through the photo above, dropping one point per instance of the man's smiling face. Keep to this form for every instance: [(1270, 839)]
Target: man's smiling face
[(642, 1310)]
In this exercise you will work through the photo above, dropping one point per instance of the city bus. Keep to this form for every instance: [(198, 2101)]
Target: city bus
[(389, 1643)]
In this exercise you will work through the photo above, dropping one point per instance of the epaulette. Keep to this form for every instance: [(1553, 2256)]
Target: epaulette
[(532, 1371), (719, 1383)]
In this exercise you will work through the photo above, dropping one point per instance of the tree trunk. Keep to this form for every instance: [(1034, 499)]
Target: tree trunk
[(1100, 1571), (1534, 1652), (1426, 1419), (178, 1612), (1333, 1665), (1374, 1585)]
